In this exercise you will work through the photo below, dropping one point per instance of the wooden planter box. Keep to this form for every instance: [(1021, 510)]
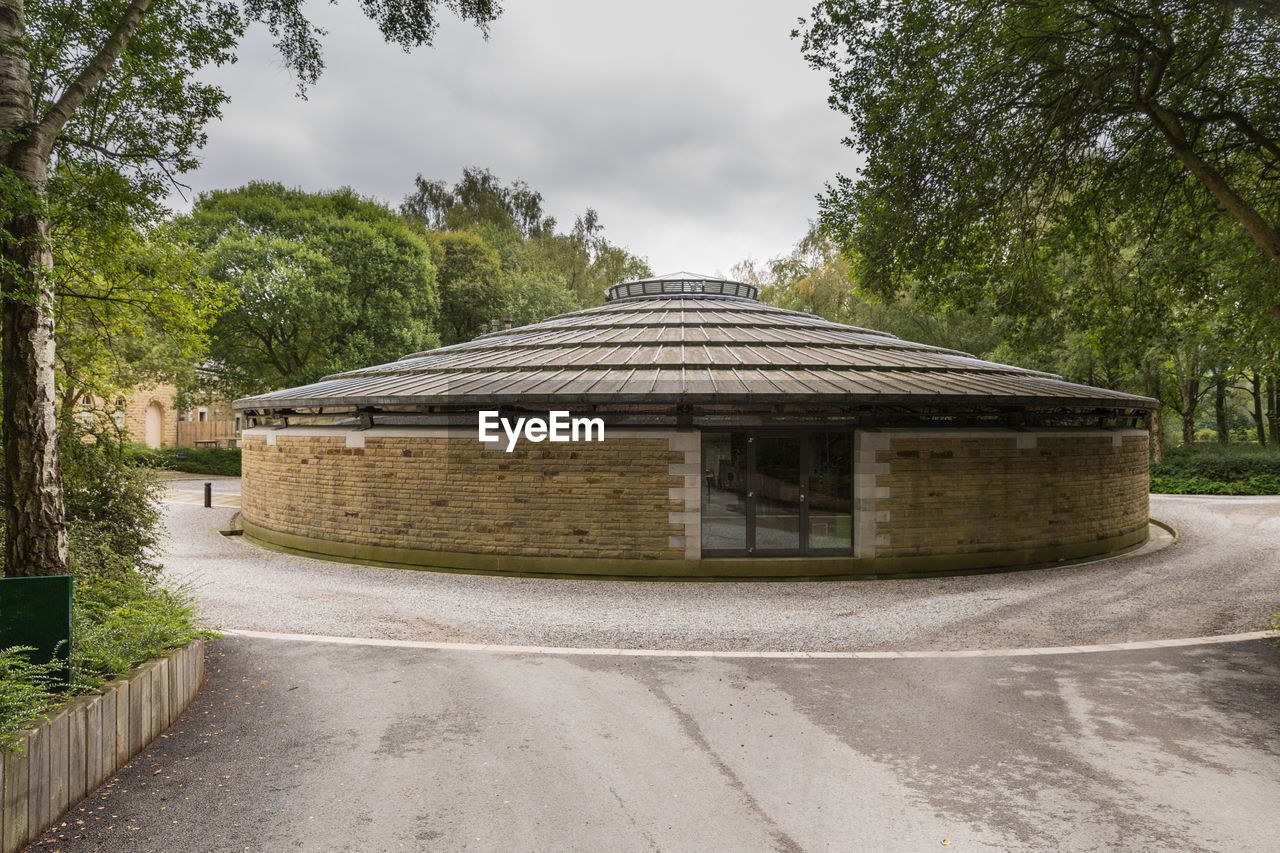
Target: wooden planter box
[(89, 739)]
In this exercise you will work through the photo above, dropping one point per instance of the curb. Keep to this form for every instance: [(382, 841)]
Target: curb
[(1168, 528)]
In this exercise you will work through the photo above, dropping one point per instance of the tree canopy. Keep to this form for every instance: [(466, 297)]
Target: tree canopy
[(112, 79), (471, 290), (542, 272), (323, 282), (133, 303), (984, 124), (477, 201)]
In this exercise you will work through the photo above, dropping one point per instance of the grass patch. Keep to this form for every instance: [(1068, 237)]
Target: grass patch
[(191, 460), (1217, 469)]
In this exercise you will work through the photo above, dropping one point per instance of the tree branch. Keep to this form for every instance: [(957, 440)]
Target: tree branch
[(89, 77), (1242, 124), (1265, 234)]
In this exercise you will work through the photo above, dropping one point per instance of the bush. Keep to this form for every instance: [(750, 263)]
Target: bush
[(25, 694), (192, 460), (113, 509), (1218, 469), (119, 621), (122, 612)]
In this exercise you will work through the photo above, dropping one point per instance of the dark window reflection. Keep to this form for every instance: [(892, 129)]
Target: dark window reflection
[(778, 492), (830, 492), (724, 504)]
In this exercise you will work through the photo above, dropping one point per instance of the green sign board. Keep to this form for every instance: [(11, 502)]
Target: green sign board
[(37, 612)]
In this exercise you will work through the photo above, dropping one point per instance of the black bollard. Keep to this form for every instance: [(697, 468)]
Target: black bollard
[(208, 494)]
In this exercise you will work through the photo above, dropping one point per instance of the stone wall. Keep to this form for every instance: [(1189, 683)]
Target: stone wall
[(926, 501), (967, 491), (444, 491)]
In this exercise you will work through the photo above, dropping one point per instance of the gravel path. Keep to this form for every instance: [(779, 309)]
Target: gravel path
[(1221, 577)]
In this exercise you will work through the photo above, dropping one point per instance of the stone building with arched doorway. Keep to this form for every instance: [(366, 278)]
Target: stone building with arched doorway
[(150, 415)]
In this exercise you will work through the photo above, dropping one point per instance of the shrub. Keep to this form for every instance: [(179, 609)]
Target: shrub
[(122, 611), (192, 460), (26, 694), (113, 509), (119, 621), (1218, 469)]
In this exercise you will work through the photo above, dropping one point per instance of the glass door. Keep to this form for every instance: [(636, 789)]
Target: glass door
[(777, 493), (724, 492), (830, 493)]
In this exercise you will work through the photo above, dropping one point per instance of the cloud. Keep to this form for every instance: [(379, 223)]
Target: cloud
[(694, 129)]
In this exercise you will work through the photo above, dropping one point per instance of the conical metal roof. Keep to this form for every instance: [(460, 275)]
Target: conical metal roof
[(688, 339)]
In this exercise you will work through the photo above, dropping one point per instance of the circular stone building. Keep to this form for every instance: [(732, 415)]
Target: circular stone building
[(740, 440)]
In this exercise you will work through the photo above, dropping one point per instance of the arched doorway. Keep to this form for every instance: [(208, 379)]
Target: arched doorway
[(155, 424)]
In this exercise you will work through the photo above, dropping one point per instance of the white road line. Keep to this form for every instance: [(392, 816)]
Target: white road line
[(702, 653)]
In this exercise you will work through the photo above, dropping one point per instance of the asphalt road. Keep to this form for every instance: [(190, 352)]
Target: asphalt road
[(319, 746), (1221, 577)]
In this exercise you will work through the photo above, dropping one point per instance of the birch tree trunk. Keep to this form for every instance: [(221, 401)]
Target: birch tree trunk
[(34, 510), (35, 530), (35, 533)]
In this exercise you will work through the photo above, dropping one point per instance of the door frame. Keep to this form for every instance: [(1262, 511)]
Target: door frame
[(805, 468)]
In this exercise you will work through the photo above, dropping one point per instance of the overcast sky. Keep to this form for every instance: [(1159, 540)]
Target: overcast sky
[(694, 128)]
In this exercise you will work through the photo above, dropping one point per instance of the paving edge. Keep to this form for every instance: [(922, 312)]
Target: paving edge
[(797, 655), (91, 737)]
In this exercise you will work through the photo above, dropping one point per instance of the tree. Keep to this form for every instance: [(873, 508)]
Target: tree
[(540, 272), (478, 200), (588, 262), (324, 282), (468, 277), (511, 219), (111, 80), (536, 294), (133, 304), (817, 278), (985, 123)]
